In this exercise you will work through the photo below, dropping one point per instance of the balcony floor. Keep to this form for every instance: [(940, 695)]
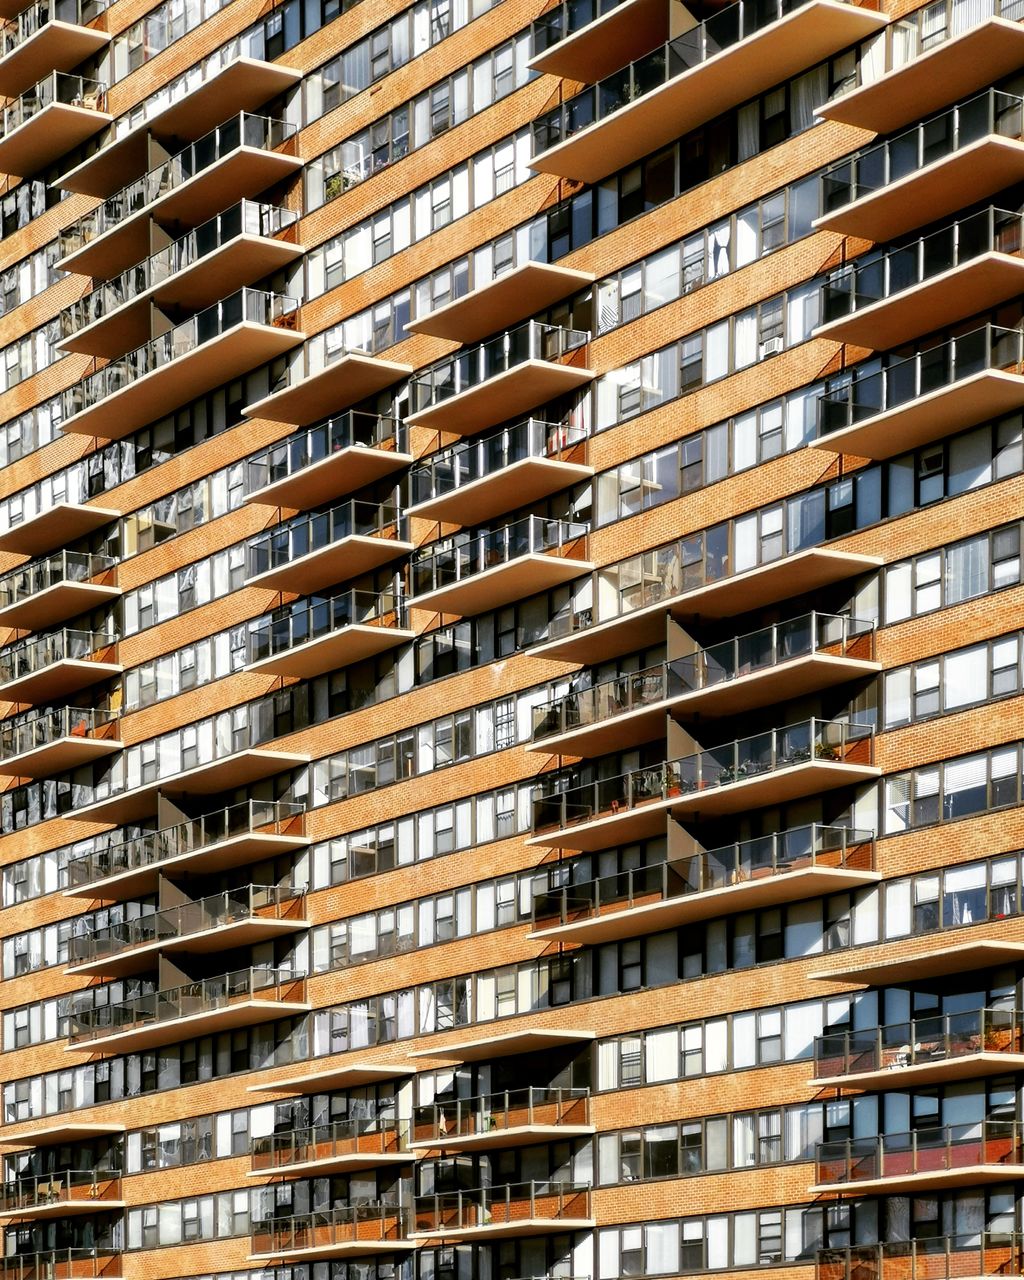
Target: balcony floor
[(241, 1013), (331, 652), (47, 135), (54, 528), (59, 603), (965, 957), (930, 417), (339, 561), (55, 1135), (932, 1180), (776, 53), (339, 385), (57, 757), (335, 476), (57, 681), (503, 584), (63, 1208), (520, 1228), (353, 1076), (345, 1249), (624, 34), (506, 396), (55, 46), (352, 1162), (523, 1135), (505, 1045), (967, 1066), (518, 485)]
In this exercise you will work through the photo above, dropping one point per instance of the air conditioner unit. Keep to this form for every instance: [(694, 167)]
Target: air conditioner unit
[(772, 347)]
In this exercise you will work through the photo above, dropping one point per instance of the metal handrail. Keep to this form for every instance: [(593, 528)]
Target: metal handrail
[(354, 429), (381, 1135), (63, 566), (309, 532), (512, 1202), (932, 1258), (35, 1190), (309, 619), (466, 554), (59, 1264), (41, 728), (944, 1147), (36, 653), (495, 1112), (374, 1222), (57, 87)]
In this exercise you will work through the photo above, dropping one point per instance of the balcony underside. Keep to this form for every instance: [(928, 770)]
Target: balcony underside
[(506, 396), (505, 583), (57, 681), (55, 604), (235, 851), (522, 1135), (55, 46), (773, 55), (966, 290), (243, 85), (242, 174), (949, 73), (772, 890), (353, 1076), (159, 392), (778, 786), (342, 1249), (337, 562), (518, 485), (56, 527), (518, 1228), (939, 189), (930, 417), (151, 1035), (241, 261), (796, 575), (77, 1207), (758, 689), (350, 1162), (518, 295), (57, 757), (971, 1175), (339, 385), (966, 957), (222, 937), (50, 133), (601, 47), (332, 651), (335, 476), (967, 1066), (505, 1045), (59, 1134)]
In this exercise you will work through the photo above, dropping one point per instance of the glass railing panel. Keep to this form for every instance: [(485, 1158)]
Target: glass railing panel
[(928, 1258), (68, 91), (76, 13), (18, 735), (310, 619), (40, 652), (306, 534), (496, 1112), (354, 429), (370, 1222), (565, 20), (487, 549), (47, 1189), (381, 1135), (494, 1206), (923, 1151), (60, 1264), (64, 566)]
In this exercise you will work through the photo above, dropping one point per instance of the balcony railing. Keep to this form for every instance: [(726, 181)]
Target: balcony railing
[(76, 13), (264, 902), (746, 655), (829, 741), (37, 653), (920, 1041), (492, 1114), (48, 1189), (905, 381), (63, 567), (992, 112), (90, 1020), (477, 552), (246, 218), (306, 534), (470, 368), (19, 736), (887, 274), (503, 1205), (56, 88), (477, 459), (278, 1152), (798, 849), (307, 620), (346, 1229), (565, 20), (297, 452), (935, 1258), (251, 306), (924, 1151), (249, 818), (243, 130), (60, 1264)]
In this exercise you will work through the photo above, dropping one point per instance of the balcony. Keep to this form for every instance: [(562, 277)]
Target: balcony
[(332, 381), (244, 998), (310, 552), (58, 1195), (49, 120), (236, 161), (59, 1133), (49, 742), (233, 249), (788, 866), (894, 295), (939, 166), (233, 837), (512, 1118), (329, 461), (54, 527), (310, 637), (353, 1075), (336, 1233), (500, 379), (61, 1264), (48, 37), (911, 402), (770, 768), (907, 970), (219, 344), (508, 299), (503, 1212), (507, 1044), (481, 478), (48, 668), (929, 59), (932, 1258), (962, 1155), (787, 660), (45, 592), (241, 917), (346, 1146), (587, 39), (928, 1050), (732, 57), (473, 572), (229, 89)]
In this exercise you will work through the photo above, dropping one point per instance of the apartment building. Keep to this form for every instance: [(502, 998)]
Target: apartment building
[(512, 612)]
